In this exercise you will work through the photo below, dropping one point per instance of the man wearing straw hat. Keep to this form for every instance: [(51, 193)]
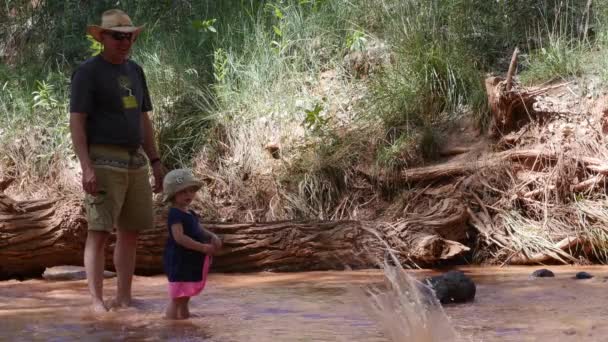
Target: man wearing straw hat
[(114, 140)]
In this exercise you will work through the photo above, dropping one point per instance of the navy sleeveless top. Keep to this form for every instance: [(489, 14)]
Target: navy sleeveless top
[(181, 263)]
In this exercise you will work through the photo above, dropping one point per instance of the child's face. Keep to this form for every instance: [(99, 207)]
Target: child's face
[(184, 197)]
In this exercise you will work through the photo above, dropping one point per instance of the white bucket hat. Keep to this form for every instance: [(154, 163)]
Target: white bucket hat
[(178, 180), (113, 20)]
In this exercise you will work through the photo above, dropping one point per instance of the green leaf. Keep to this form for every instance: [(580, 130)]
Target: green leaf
[(95, 47), (198, 24)]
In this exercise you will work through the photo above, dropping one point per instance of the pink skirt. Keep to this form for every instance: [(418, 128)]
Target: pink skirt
[(190, 288)]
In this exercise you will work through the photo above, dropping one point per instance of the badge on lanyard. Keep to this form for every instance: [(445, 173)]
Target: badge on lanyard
[(129, 101)]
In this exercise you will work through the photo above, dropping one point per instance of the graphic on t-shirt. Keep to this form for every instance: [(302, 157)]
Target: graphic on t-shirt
[(128, 101)]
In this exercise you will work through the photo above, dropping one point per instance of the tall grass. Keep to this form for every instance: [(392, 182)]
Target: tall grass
[(559, 46), (230, 77)]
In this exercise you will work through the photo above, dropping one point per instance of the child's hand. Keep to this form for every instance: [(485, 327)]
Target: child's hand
[(216, 242), (208, 248)]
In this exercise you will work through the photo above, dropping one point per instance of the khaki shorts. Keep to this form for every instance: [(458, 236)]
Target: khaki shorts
[(124, 194)]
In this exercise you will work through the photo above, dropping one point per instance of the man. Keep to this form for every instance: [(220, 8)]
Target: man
[(111, 129)]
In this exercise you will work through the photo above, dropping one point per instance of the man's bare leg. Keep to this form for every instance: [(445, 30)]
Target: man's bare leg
[(94, 262), (124, 262)]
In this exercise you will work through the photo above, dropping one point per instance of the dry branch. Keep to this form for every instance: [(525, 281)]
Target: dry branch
[(512, 68), (546, 256), (531, 158)]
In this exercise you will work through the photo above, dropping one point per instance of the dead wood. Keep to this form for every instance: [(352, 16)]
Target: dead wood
[(557, 253), (453, 151), (45, 233), (511, 72), (511, 104), (530, 158)]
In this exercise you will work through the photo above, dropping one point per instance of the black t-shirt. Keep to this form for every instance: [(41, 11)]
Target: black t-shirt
[(113, 96)]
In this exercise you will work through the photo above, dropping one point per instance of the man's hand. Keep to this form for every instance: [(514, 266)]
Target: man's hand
[(89, 180), (159, 173)]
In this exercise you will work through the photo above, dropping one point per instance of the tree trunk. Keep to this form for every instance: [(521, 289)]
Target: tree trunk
[(39, 234)]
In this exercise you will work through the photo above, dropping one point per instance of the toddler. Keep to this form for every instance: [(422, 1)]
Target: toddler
[(187, 255)]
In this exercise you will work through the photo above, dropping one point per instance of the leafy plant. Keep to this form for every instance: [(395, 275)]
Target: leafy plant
[(356, 41), (44, 97), (95, 47), (313, 120), (204, 25), (220, 62)]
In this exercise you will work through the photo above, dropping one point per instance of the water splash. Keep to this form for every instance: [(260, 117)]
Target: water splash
[(406, 309)]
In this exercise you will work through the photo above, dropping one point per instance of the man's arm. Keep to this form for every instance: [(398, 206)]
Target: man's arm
[(79, 140), (150, 149)]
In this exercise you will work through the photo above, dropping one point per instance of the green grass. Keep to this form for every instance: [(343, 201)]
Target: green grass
[(557, 59), (228, 77), (559, 48)]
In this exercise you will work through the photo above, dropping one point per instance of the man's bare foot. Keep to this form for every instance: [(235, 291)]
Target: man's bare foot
[(98, 306), (118, 303)]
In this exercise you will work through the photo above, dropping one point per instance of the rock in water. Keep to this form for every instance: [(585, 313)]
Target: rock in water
[(543, 273), (70, 273), (583, 275), (452, 287)]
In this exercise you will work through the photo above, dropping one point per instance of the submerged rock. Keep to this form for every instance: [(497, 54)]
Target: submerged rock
[(452, 287), (583, 275), (70, 273), (543, 273)]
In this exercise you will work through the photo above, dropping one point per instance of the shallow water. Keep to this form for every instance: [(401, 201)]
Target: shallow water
[(310, 306)]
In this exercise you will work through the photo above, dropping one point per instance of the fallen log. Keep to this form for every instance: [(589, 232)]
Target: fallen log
[(531, 158), (45, 233), (558, 253), (37, 234)]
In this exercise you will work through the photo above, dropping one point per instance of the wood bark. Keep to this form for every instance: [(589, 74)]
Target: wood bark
[(531, 159), (511, 104), (45, 233), (557, 253)]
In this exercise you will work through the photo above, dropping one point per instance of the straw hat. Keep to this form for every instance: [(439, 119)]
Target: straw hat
[(113, 20), (178, 180)]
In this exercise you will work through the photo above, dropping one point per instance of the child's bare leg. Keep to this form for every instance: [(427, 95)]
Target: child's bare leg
[(172, 309), (182, 310)]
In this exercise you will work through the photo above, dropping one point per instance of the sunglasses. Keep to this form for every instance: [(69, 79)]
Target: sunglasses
[(119, 35)]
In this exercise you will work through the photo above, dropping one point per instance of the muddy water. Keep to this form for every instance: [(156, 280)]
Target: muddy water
[(312, 306)]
